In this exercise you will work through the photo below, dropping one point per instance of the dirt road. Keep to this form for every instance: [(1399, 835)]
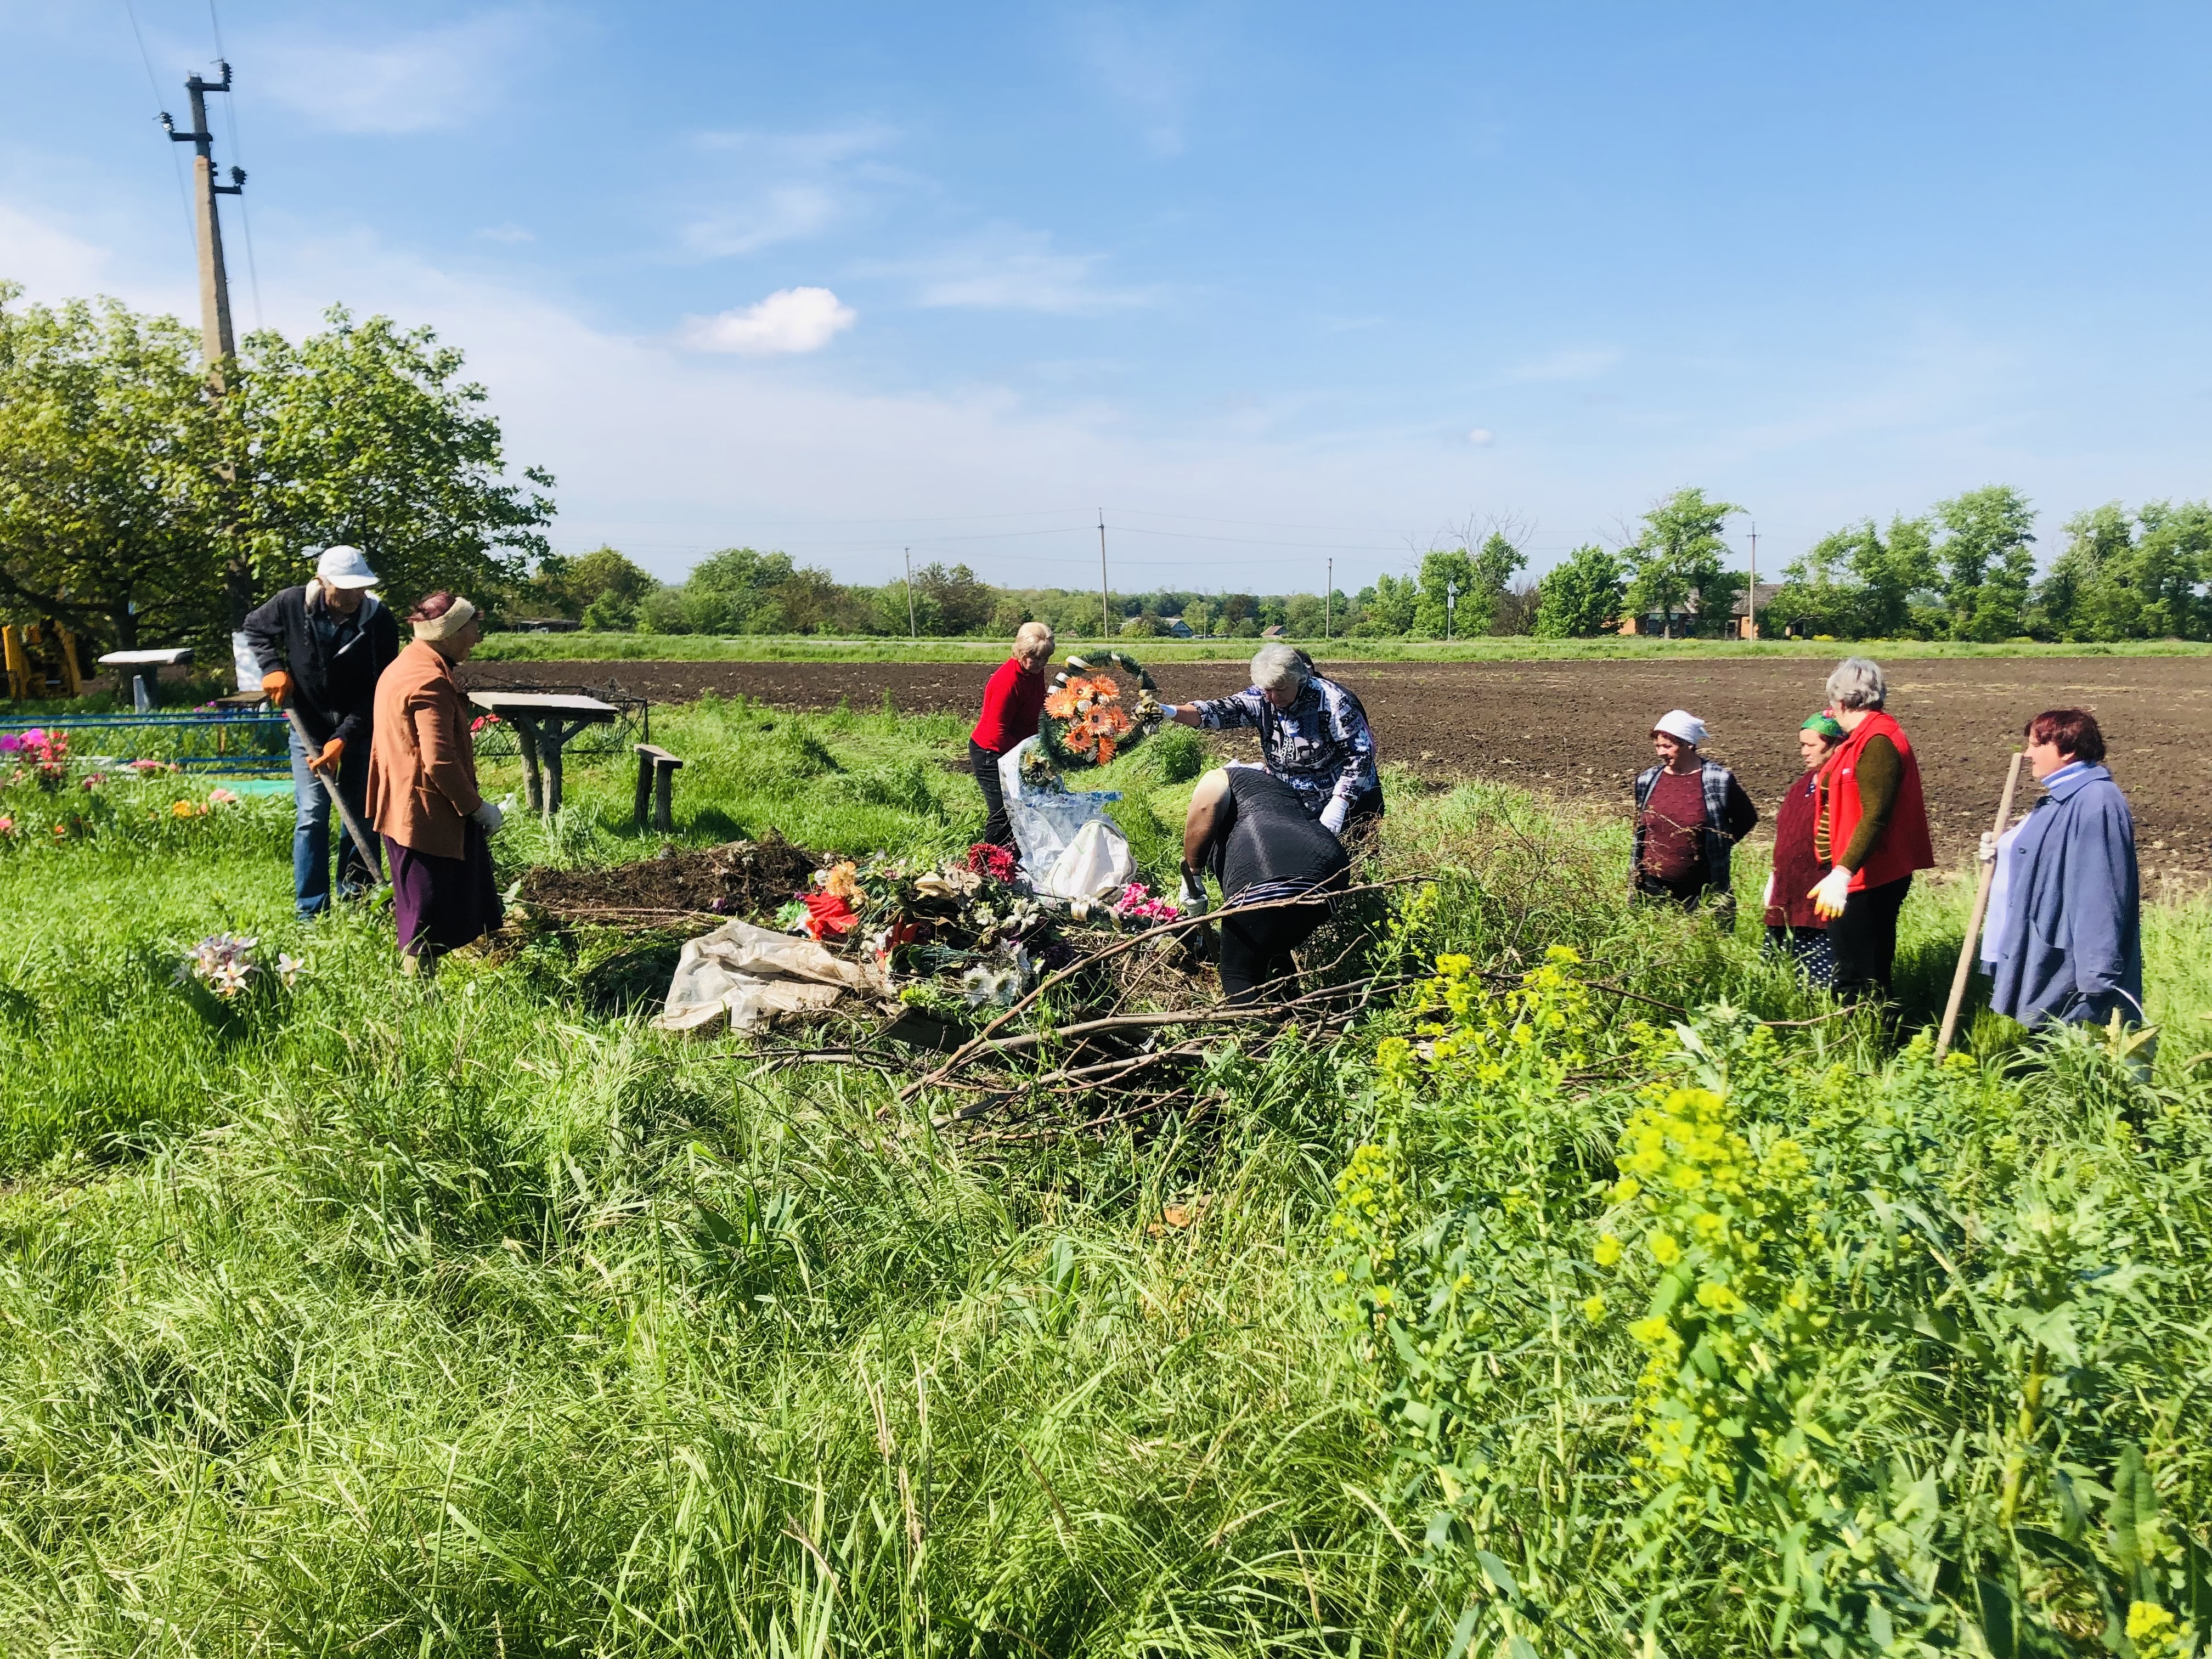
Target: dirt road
[(1579, 728)]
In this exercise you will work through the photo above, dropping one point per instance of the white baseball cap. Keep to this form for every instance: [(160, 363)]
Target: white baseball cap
[(1682, 724), (345, 567)]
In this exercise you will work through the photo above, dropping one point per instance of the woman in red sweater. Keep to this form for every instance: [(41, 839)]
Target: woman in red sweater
[(1794, 928), (1012, 700)]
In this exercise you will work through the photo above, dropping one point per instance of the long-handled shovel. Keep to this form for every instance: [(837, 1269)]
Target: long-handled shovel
[(1974, 925), (353, 826)]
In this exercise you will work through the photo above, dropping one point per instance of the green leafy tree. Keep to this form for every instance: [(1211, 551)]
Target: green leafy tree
[(1388, 609), (1679, 555), (948, 601), (602, 587), (365, 433), (107, 475), (1987, 563), (1447, 579), (1302, 616), (2110, 583), (1859, 582), (1202, 614), (1495, 564), (1580, 596)]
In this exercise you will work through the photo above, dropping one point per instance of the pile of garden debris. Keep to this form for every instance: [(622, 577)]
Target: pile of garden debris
[(737, 878)]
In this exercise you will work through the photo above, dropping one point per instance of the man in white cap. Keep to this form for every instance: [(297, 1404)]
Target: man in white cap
[(321, 647), (1690, 812)]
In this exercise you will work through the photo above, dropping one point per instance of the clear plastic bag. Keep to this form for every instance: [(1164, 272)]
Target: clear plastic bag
[(1046, 823)]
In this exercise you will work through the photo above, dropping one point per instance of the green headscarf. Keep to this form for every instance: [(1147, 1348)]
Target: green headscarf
[(1826, 726)]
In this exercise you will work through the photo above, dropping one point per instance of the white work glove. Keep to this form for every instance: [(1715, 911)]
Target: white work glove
[(490, 816), (1987, 853), (1829, 896), (1767, 898), (1333, 815), (1190, 897), (1167, 713)]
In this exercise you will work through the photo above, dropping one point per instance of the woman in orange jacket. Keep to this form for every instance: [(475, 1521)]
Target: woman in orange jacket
[(422, 795)]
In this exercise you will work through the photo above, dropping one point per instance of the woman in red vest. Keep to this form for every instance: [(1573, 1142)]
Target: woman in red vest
[(1012, 699), (1874, 835)]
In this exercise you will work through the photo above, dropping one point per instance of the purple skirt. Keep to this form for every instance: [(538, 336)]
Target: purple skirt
[(441, 904)]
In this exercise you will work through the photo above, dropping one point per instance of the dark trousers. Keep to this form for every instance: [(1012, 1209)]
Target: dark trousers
[(1256, 949), (984, 763), (1864, 940)]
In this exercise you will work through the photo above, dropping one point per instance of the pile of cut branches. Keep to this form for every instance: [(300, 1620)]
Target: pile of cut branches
[(1125, 1031)]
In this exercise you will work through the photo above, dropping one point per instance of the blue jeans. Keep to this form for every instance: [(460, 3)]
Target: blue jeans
[(312, 829)]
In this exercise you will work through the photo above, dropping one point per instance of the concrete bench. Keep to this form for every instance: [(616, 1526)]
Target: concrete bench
[(656, 784)]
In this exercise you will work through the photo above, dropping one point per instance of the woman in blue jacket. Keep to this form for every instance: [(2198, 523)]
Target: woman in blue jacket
[(2071, 946)]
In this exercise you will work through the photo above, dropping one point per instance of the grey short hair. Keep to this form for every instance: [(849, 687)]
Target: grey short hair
[(1858, 684), (1279, 668)]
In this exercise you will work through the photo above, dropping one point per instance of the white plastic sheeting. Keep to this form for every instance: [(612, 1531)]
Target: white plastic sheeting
[(753, 974)]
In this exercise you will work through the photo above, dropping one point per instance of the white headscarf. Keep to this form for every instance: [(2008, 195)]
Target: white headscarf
[(444, 628), (1682, 724)]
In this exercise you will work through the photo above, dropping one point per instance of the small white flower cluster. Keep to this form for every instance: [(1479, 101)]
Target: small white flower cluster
[(224, 963)]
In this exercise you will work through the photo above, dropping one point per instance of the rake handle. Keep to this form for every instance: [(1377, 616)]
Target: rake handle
[(1974, 924)]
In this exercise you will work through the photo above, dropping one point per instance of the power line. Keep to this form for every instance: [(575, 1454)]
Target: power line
[(154, 84)]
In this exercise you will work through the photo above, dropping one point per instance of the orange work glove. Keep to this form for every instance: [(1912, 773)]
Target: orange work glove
[(276, 686), (328, 760)]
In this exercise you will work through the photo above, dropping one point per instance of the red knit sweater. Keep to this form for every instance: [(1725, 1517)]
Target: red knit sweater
[(1012, 702)]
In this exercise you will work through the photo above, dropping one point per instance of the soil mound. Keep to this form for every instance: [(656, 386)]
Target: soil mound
[(738, 879)]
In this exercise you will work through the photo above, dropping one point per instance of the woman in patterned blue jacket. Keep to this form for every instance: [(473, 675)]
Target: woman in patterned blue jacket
[(1313, 735)]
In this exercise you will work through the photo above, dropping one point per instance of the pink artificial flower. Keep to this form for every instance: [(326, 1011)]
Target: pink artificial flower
[(221, 797)]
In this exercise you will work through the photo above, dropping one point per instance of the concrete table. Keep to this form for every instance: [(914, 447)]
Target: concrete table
[(143, 692), (543, 721)]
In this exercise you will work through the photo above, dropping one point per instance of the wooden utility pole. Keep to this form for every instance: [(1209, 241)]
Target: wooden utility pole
[(1328, 600), (1751, 603), (1105, 618), (218, 346), (912, 632)]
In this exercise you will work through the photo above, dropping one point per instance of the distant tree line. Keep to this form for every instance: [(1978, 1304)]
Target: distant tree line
[(1967, 570)]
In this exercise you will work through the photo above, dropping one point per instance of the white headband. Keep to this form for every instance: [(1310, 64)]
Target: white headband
[(444, 628)]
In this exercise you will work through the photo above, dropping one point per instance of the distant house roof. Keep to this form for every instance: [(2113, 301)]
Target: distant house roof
[(1274, 633), (1177, 626), (1763, 593)]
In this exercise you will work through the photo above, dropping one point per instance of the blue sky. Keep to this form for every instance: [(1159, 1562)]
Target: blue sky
[(1270, 285)]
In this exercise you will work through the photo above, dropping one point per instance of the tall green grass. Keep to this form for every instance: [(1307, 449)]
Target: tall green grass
[(382, 1317)]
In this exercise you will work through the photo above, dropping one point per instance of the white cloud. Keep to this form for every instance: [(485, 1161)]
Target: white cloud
[(790, 320), (796, 185), (423, 81), (1009, 270), (1573, 363), (1482, 437)]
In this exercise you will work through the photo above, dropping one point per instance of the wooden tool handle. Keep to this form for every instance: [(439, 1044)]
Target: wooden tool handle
[(1974, 922)]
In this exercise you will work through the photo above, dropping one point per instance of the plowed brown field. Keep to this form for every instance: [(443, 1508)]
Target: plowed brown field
[(1580, 729)]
